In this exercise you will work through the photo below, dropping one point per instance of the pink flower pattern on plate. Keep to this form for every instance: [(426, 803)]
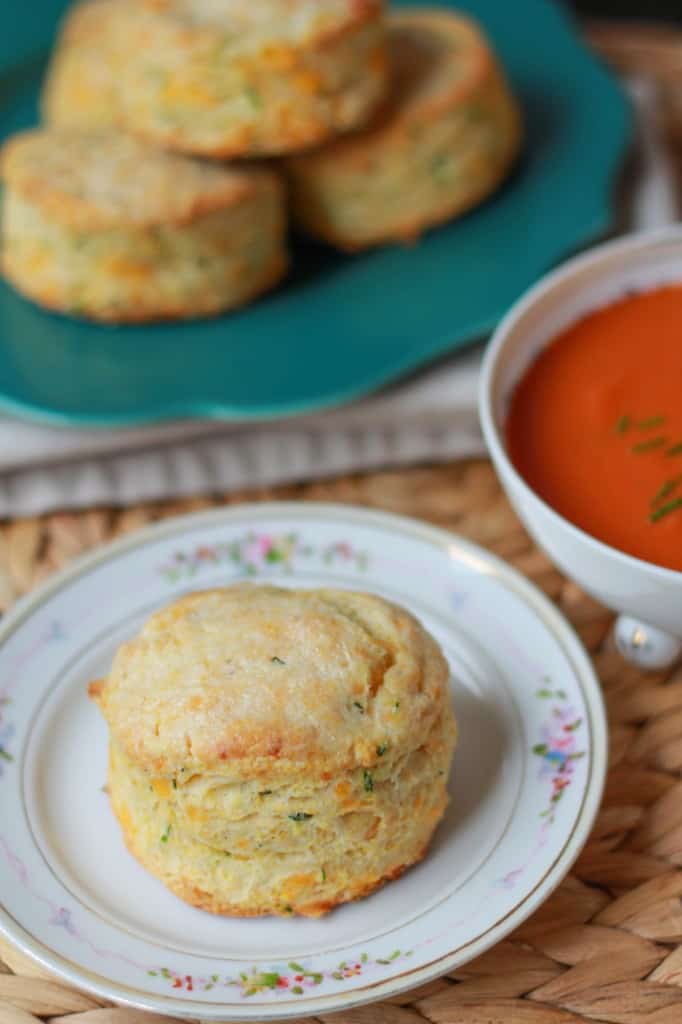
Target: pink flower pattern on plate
[(558, 748), (257, 553), (295, 978)]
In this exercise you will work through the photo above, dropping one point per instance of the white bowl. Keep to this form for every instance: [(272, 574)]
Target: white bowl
[(647, 597)]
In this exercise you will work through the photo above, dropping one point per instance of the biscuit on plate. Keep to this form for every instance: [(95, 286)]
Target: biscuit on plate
[(446, 138), (278, 751), (100, 225), (227, 78)]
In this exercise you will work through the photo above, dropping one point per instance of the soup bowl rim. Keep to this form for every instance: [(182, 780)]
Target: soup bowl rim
[(505, 332)]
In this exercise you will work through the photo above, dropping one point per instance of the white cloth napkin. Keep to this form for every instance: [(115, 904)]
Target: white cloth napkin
[(430, 417)]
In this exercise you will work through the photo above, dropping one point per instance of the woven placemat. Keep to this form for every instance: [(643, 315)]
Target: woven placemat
[(604, 946), (607, 946)]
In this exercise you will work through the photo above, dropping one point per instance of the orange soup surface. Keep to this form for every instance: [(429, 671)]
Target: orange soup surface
[(595, 425)]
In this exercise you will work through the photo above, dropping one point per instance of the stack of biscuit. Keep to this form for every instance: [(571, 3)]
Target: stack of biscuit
[(278, 751), (381, 124)]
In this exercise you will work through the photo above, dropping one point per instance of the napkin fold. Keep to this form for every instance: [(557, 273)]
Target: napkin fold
[(432, 416)]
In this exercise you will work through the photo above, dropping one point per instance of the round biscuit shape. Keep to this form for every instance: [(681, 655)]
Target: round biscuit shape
[(98, 224), (250, 681), (277, 751), (445, 139), (224, 78)]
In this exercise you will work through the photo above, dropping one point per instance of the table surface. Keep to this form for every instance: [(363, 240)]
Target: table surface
[(607, 946)]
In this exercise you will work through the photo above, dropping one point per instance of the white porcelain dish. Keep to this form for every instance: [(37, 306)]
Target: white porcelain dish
[(647, 597), (526, 785)]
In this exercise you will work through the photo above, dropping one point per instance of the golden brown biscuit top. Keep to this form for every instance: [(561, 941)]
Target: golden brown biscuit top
[(292, 20), (254, 680), (93, 179), (440, 60)]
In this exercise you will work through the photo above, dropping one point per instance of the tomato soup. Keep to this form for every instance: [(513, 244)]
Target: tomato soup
[(595, 425)]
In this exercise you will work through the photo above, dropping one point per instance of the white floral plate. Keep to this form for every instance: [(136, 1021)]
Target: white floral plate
[(526, 783)]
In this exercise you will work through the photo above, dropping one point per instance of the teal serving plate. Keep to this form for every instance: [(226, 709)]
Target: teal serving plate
[(340, 326)]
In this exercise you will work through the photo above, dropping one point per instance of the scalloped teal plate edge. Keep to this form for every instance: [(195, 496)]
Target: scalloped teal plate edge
[(341, 327)]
